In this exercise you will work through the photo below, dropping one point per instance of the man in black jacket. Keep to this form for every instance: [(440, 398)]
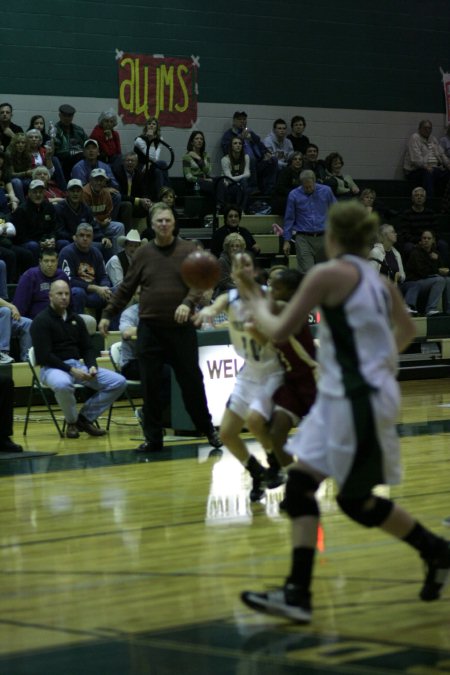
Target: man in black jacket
[(61, 341), (132, 189)]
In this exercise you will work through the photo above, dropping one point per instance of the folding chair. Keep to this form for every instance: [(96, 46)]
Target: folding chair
[(114, 354), (37, 386)]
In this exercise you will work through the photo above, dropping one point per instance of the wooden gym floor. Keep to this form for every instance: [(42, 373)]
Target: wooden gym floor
[(116, 564)]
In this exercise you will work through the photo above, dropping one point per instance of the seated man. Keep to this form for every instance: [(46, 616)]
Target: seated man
[(85, 267), (7, 128), (427, 275), (61, 342), (425, 163), (298, 139), (35, 222), (263, 166), (12, 324), (83, 169), (69, 139), (6, 415), (278, 144), (98, 198), (72, 211), (31, 295), (312, 162), (117, 266), (413, 221), (132, 189)]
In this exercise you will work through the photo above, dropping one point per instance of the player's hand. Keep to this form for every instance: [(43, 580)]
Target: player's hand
[(201, 317), (103, 327), (182, 313)]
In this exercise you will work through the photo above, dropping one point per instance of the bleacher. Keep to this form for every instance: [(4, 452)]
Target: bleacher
[(428, 356)]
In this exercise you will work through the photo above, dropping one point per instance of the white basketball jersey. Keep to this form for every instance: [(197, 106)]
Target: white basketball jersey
[(258, 358), (357, 348)]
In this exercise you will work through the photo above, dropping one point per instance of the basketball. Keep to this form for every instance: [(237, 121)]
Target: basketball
[(200, 270)]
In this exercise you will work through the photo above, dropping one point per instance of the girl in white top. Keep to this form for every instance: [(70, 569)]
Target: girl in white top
[(250, 404), (350, 433)]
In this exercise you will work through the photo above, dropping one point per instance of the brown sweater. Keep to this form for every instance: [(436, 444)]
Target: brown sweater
[(157, 270)]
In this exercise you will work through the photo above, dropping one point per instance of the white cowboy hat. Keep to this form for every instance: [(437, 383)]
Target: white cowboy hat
[(132, 235)]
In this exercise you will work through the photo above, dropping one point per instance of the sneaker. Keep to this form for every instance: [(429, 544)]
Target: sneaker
[(446, 521), (274, 475), (411, 310), (213, 438), (150, 446), (437, 575), (433, 312), (72, 431), (258, 489), (289, 602), (5, 359)]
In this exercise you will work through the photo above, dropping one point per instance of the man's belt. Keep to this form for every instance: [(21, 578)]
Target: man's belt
[(310, 234)]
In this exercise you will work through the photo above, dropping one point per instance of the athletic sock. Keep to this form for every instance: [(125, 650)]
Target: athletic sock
[(428, 544), (302, 567), (273, 462), (254, 468)]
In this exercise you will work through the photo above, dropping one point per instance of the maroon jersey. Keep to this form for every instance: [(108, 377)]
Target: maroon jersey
[(298, 391)]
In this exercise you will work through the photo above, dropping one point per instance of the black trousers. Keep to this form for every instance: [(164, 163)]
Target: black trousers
[(177, 347), (6, 406)]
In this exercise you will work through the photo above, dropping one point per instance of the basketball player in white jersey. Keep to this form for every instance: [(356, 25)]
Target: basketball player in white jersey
[(250, 403), (350, 433)]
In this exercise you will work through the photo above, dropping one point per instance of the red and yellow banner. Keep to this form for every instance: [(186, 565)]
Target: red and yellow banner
[(161, 87)]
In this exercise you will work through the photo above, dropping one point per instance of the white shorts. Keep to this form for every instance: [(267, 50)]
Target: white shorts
[(355, 442), (254, 394)]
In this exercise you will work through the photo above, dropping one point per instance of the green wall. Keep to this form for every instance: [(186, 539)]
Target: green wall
[(372, 54)]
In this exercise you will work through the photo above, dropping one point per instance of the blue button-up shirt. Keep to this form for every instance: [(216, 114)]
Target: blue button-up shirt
[(307, 213)]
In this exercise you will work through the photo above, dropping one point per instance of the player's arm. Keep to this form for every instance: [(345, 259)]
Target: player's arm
[(314, 289), (219, 305), (404, 328)]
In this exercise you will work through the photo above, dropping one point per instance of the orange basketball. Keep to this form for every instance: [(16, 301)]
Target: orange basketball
[(200, 270)]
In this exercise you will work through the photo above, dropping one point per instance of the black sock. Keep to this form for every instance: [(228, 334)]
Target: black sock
[(273, 462), (254, 467), (302, 567), (428, 544)]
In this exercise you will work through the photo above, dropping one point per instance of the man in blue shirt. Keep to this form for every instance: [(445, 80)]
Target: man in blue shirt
[(305, 219)]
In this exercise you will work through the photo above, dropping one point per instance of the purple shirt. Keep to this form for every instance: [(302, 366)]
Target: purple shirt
[(31, 295)]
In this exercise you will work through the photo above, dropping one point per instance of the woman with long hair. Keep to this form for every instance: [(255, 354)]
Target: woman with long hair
[(21, 164), (148, 149), (350, 433), (236, 170), (197, 164)]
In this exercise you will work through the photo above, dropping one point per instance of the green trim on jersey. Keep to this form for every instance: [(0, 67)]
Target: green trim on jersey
[(346, 354), (367, 467)]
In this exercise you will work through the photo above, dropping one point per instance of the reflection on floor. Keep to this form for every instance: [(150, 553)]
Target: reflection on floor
[(153, 527)]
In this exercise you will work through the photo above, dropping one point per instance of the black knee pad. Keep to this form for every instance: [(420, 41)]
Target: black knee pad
[(297, 501), (372, 517)]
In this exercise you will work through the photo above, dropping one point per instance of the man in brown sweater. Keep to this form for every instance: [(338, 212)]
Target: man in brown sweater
[(165, 334)]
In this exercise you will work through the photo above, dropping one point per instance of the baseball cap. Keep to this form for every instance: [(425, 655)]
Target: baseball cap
[(89, 141), (35, 184), (74, 182), (98, 172)]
